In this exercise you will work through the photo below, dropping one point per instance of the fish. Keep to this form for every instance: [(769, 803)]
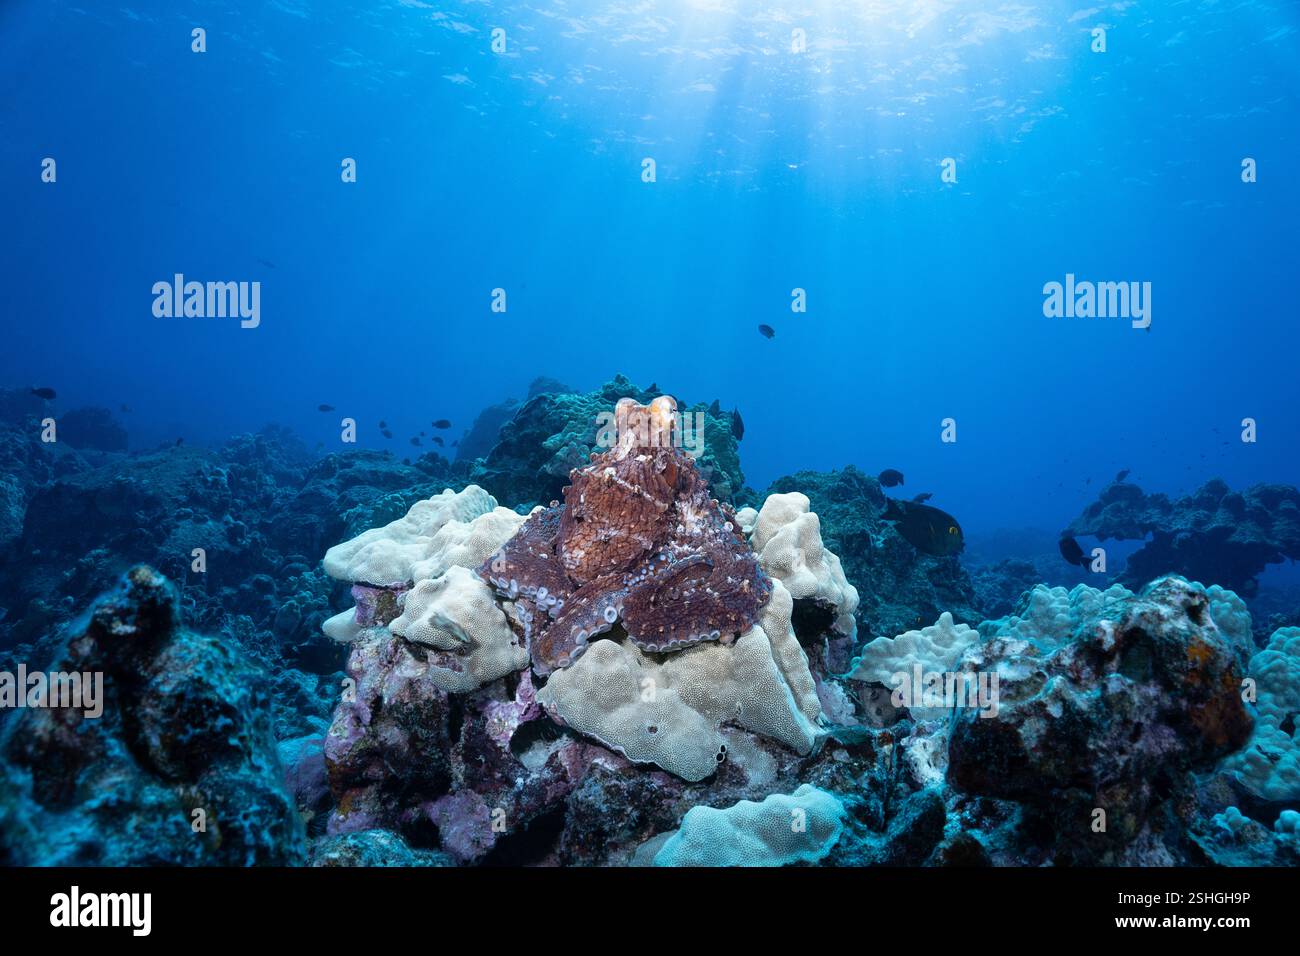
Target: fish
[(767, 331), (324, 408), (268, 263), (737, 424), (179, 442), (415, 441), (442, 423), (1072, 553), (383, 424), (386, 433), (925, 527), (48, 394), (890, 477), (1122, 475), (421, 433), (716, 409), (437, 441), (923, 496)]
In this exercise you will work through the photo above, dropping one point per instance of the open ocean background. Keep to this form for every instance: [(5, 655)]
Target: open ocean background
[(775, 170)]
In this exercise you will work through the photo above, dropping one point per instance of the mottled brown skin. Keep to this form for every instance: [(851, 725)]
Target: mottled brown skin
[(637, 541)]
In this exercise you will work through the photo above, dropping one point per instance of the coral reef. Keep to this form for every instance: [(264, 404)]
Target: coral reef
[(1214, 534), (900, 588), (468, 726), (180, 768), (1110, 710), (1269, 766)]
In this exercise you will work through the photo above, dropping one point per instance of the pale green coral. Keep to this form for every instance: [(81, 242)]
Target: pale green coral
[(801, 827), (1269, 765), (672, 713), (936, 649)]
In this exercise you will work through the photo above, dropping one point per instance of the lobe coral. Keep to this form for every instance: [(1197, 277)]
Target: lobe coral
[(637, 541)]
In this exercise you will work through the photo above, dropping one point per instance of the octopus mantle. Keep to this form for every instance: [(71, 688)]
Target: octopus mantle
[(637, 542)]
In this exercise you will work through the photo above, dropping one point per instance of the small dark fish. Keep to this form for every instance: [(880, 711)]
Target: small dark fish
[(890, 477), (767, 331), (324, 408), (46, 393), (421, 434), (383, 424), (437, 441), (415, 441), (653, 389), (923, 497), (386, 433), (737, 424), (716, 409), (925, 527), (442, 423), (1087, 481), (1122, 475), (1072, 553), (179, 442), (266, 262)]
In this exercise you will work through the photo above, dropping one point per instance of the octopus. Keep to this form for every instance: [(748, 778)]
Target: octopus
[(637, 542)]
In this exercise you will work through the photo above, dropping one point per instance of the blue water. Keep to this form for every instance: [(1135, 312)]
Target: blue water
[(775, 170)]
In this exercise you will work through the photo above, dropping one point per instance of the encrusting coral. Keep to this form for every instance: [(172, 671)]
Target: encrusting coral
[(638, 541), (801, 827)]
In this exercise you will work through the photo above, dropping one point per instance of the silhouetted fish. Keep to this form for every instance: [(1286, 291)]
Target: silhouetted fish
[(324, 408), (737, 424), (442, 423), (383, 424), (925, 527), (922, 497), (46, 393), (386, 433), (1122, 475), (1072, 553), (716, 409), (415, 441), (267, 263), (767, 331), (890, 477), (437, 441)]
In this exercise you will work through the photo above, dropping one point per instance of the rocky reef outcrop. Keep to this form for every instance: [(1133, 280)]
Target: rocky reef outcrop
[(1214, 534), (899, 587), (554, 432), (178, 767)]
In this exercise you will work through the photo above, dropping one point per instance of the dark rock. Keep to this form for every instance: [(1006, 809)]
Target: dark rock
[(186, 726)]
